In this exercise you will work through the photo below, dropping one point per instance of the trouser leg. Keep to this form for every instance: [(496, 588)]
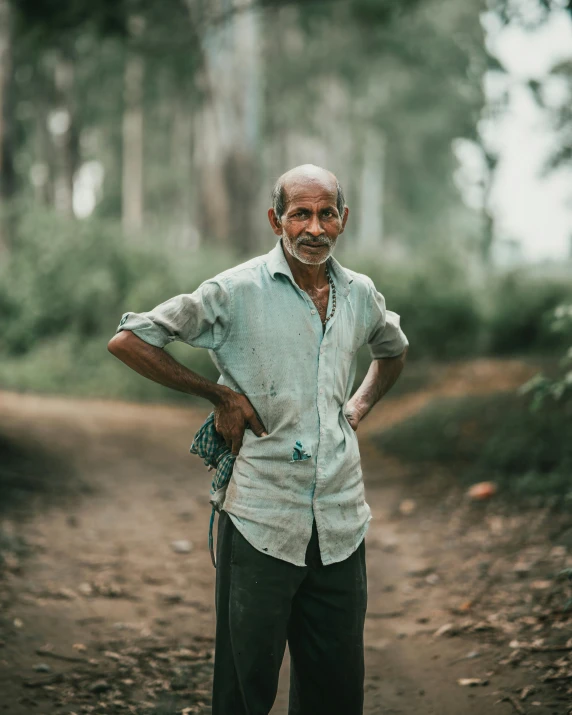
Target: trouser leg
[(325, 637), (253, 598)]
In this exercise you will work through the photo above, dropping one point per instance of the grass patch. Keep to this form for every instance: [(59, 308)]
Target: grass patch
[(493, 437)]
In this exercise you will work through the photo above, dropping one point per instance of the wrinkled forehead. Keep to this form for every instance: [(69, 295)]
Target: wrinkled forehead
[(311, 189)]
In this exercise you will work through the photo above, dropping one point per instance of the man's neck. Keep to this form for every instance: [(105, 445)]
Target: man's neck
[(306, 275)]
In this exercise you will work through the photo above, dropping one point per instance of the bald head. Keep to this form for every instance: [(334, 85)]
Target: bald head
[(306, 175)]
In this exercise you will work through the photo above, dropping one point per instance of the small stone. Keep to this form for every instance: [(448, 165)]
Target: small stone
[(407, 507), (182, 546), (482, 491), (472, 682), (41, 668), (100, 686)]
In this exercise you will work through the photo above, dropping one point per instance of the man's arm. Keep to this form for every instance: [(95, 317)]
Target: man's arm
[(233, 412), (380, 378)]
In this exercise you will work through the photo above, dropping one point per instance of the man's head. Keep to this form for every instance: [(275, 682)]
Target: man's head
[(308, 212)]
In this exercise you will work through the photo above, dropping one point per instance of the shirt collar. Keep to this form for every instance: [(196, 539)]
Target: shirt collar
[(277, 263)]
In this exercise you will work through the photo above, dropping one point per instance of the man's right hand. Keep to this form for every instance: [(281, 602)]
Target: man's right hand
[(232, 415)]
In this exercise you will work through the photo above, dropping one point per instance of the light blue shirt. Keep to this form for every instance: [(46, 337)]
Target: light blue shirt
[(265, 336)]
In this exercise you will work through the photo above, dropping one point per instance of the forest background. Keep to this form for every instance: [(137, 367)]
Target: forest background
[(140, 141)]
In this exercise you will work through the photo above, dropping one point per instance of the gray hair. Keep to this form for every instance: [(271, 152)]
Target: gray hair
[(279, 198)]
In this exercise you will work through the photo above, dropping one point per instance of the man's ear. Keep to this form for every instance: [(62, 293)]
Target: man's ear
[(275, 222), (345, 218)]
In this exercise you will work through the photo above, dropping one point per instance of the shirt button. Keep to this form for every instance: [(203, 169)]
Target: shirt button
[(313, 312), (321, 351), (321, 391)]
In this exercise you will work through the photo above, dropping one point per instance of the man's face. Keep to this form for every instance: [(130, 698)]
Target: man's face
[(311, 222)]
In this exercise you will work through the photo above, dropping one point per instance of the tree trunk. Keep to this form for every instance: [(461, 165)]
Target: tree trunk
[(182, 168), (7, 173), (132, 175), (488, 234), (371, 193), (65, 136), (229, 130)]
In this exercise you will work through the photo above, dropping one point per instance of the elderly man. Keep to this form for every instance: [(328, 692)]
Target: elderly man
[(284, 329)]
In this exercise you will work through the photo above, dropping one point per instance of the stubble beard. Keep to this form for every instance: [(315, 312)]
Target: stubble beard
[(293, 248)]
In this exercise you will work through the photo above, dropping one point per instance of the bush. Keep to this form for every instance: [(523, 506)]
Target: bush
[(519, 314), (66, 284), (62, 293), (77, 278), (439, 308), (494, 437)]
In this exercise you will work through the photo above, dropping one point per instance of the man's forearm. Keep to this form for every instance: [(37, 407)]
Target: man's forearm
[(380, 378), (157, 365)]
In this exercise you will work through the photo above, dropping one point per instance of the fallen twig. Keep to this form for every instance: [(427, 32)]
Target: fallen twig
[(59, 656), (44, 680), (547, 649)]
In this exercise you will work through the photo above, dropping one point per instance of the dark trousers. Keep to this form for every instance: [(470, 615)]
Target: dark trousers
[(262, 603)]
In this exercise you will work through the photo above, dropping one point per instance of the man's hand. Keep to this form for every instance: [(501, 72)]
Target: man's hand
[(232, 415), (381, 376), (352, 416), (233, 412)]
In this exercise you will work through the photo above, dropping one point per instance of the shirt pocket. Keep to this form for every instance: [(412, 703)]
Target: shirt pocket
[(342, 370)]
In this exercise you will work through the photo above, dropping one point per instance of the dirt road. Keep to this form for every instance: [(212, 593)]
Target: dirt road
[(107, 609)]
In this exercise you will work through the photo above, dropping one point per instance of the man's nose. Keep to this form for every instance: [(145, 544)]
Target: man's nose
[(314, 228)]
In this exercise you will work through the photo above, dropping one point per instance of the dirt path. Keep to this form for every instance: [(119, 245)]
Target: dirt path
[(101, 614)]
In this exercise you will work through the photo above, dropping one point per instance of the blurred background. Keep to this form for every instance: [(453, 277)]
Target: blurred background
[(139, 143)]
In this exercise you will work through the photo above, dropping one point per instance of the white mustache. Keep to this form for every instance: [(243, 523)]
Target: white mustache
[(315, 241)]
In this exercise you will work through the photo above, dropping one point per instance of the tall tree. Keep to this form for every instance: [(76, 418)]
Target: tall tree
[(132, 169), (7, 175)]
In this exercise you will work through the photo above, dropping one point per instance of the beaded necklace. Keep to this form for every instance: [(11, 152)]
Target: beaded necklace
[(333, 288)]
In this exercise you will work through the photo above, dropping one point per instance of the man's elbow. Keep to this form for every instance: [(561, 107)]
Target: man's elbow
[(120, 344)]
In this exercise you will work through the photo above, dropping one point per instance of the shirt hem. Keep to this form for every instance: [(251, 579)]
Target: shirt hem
[(327, 562)]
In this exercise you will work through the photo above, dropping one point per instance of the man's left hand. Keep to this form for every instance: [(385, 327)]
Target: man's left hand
[(352, 416)]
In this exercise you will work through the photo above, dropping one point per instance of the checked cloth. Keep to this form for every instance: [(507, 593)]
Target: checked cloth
[(210, 446)]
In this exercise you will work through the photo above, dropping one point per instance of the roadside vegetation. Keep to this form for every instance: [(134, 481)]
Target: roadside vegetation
[(64, 287)]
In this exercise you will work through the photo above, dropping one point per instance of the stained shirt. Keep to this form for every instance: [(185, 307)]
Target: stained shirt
[(266, 338)]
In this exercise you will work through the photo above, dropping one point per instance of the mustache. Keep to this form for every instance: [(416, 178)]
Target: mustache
[(320, 240)]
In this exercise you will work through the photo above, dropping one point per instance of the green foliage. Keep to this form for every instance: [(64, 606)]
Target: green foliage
[(447, 314), (493, 437), (66, 284), (441, 313), (544, 389), (519, 313), (62, 293)]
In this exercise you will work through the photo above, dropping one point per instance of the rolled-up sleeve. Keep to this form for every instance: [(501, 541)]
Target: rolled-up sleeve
[(385, 339), (201, 319)]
